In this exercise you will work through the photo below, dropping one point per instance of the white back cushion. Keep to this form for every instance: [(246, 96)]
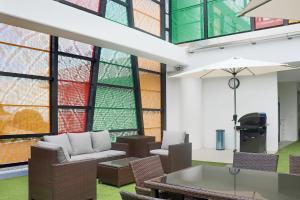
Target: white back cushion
[(101, 141), (81, 143), (62, 140), (171, 138), (62, 154)]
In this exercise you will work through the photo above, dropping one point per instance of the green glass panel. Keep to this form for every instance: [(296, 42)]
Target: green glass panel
[(110, 97), (114, 135), (114, 119), (188, 24), (223, 19), (115, 75), (116, 12), (115, 57), (179, 4)]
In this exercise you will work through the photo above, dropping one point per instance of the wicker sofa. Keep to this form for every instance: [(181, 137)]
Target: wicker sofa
[(175, 151), (59, 168)]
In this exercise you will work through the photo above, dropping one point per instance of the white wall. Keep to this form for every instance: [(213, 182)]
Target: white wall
[(288, 111), (184, 108), (255, 94)]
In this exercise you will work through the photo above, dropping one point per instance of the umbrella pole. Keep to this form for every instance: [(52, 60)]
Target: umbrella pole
[(234, 115)]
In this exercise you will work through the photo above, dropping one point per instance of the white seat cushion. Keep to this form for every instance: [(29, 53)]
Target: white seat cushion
[(171, 138), (62, 154), (101, 141), (62, 140), (161, 152), (98, 155), (81, 143)]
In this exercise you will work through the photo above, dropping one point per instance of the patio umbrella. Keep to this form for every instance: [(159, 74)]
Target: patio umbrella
[(282, 9), (234, 67)]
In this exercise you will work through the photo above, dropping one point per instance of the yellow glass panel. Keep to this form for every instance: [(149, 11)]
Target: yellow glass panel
[(24, 120), (151, 99), (147, 16), (156, 132), (152, 123), (149, 82), (293, 21), (15, 150), (148, 64)]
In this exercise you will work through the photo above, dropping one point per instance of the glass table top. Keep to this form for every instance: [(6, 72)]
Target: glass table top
[(124, 162), (246, 183)]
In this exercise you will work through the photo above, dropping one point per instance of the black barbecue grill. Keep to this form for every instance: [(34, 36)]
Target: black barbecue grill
[(253, 132)]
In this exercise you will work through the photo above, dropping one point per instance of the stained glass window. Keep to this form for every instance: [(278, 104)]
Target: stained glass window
[(147, 16), (116, 12), (187, 20), (150, 84), (93, 5), (24, 102), (74, 47), (261, 22), (15, 150), (73, 90), (223, 17)]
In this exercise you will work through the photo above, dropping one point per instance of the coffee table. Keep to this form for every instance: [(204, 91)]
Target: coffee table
[(116, 172)]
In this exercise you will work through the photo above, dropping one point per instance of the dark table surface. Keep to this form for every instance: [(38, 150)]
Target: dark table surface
[(124, 162), (237, 182)]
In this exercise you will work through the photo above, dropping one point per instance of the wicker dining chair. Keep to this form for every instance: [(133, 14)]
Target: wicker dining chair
[(131, 196), (294, 164), (255, 161), (145, 169)]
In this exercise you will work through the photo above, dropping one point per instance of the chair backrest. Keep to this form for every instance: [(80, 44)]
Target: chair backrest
[(295, 164), (145, 169), (255, 161), (131, 196)]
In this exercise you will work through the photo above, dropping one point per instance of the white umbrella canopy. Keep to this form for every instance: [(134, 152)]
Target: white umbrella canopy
[(238, 65), (282, 9)]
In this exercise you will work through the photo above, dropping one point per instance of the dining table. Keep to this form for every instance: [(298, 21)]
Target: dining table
[(228, 183)]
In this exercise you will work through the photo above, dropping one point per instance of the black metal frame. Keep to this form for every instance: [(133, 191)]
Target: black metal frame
[(205, 26), (95, 60)]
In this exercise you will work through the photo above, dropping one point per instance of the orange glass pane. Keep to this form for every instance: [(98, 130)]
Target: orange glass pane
[(24, 37), (15, 150), (148, 64), (293, 21), (156, 132), (151, 99), (147, 16), (149, 81), (24, 120)]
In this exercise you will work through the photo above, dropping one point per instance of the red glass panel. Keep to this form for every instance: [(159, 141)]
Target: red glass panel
[(71, 120), (73, 93), (261, 22), (93, 5)]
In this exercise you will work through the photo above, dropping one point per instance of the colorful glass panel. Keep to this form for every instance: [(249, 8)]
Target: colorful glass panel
[(15, 150), (187, 20), (147, 16), (71, 120), (74, 47), (151, 65), (261, 22), (152, 124), (93, 5), (223, 17), (116, 12), (73, 93)]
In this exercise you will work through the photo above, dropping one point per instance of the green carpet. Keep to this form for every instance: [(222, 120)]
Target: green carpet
[(17, 189)]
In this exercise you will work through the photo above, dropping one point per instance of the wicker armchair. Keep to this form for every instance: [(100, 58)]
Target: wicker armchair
[(131, 196), (178, 156), (294, 164), (51, 180), (255, 161), (145, 169)]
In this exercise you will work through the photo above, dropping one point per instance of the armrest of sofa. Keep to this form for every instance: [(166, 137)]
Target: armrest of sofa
[(120, 147), (42, 155), (154, 145), (180, 155)]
